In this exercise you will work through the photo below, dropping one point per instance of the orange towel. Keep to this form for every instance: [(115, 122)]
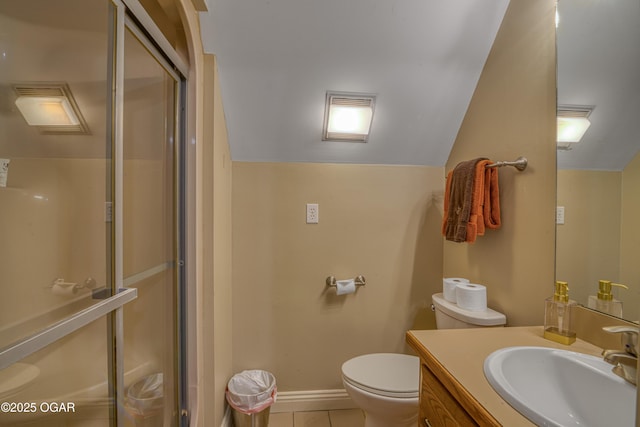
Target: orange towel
[(475, 226), (491, 199), (485, 208)]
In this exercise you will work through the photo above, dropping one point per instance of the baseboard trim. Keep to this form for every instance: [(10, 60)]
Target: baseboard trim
[(312, 400)]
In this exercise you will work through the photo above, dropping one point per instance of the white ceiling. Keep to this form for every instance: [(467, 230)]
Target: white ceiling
[(599, 65), (277, 58)]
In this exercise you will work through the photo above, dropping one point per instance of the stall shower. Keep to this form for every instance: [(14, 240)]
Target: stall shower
[(91, 223)]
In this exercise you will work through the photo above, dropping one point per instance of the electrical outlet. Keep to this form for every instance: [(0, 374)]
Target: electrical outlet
[(312, 213), (560, 215)]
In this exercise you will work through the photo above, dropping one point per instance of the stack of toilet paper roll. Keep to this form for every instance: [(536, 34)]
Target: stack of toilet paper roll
[(467, 295)]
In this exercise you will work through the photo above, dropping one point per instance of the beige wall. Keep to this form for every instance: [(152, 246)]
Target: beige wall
[(378, 221), (588, 244), (630, 236), (599, 238), (217, 251), (600, 234), (511, 114)]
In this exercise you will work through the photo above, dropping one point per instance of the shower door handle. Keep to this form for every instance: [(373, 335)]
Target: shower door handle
[(29, 345)]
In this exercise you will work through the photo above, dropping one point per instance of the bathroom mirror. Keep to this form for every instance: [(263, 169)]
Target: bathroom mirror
[(599, 177)]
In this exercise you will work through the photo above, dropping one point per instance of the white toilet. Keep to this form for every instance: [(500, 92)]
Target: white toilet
[(450, 316), (385, 386)]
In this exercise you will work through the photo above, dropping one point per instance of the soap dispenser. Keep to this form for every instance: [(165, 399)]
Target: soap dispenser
[(605, 302), (558, 314)]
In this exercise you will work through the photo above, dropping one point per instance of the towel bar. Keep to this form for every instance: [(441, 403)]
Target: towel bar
[(520, 163)]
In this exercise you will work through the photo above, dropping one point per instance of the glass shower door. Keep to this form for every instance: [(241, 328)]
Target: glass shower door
[(150, 228), (55, 238), (90, 225), (55, 250)]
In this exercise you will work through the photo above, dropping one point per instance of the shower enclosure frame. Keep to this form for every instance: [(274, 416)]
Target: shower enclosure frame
[(130, 15)]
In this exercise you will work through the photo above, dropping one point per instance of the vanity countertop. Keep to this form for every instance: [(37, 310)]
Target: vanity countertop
[(456, 357)]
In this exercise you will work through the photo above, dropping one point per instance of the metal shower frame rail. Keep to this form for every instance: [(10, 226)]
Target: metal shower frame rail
[(29, 345)]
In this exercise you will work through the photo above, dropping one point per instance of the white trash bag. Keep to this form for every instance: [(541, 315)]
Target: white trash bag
[(145, 401), (251, 391), (146, 395)]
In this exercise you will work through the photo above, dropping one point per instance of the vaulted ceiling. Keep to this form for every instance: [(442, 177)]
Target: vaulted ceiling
[(277, 59), (599, 65)]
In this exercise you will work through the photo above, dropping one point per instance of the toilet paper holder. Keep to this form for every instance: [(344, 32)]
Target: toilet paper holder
[(89, 283), (359, 281)]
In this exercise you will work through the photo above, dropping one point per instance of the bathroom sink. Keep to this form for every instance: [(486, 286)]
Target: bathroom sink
[(554, 387)]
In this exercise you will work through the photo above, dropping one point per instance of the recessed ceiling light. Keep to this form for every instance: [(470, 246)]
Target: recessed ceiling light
[(50, 107), (573, 122), (46, 111), (348, 116)]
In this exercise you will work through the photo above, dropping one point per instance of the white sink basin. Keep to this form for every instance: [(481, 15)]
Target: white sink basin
[(561, 388)]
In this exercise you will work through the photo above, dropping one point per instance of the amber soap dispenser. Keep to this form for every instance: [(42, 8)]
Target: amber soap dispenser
[(558, 315)]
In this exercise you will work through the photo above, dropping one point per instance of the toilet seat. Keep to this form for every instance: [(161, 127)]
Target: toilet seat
[(384, 374)]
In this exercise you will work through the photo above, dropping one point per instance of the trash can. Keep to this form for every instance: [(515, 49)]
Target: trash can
[(251, 394), (145, 401)]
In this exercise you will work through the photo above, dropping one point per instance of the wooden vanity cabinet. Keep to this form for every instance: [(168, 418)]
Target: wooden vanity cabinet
[(437, 406), (444, 402)]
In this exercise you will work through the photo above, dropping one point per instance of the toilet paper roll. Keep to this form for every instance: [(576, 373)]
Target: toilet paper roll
[(471, 296), (64, 290), (344, 287), (449, 287)]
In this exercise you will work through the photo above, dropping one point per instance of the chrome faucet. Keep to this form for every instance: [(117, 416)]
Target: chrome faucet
[(625, 361)]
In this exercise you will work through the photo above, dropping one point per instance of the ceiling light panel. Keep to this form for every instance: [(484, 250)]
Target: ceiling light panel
[(50, 107), (573, 122), (46, 111), (348, 116), (572, 129)]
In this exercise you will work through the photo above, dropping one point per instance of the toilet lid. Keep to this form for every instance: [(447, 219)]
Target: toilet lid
[(386, 374)]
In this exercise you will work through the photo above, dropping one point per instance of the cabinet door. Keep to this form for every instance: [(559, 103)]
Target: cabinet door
[(437, 406)]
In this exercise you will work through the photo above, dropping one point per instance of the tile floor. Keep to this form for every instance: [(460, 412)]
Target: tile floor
[(338, 418)]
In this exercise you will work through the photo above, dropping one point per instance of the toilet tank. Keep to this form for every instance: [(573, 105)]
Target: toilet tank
[(450, 316)]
